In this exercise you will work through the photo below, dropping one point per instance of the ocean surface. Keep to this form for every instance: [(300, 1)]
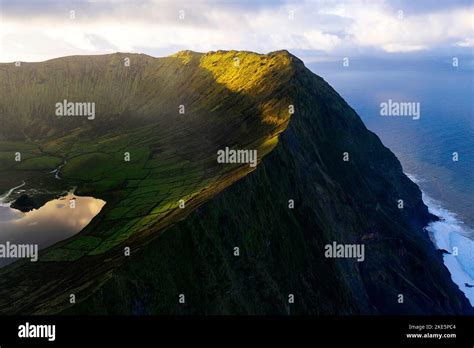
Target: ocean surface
[(425, 146)]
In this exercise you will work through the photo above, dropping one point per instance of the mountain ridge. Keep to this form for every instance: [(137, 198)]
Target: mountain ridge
[(354, 201), (173, 155)]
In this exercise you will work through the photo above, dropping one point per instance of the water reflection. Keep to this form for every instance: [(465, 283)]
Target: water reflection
[(57, 220)]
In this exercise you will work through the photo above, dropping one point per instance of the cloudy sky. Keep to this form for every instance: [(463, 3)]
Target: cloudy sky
[(35, 30)]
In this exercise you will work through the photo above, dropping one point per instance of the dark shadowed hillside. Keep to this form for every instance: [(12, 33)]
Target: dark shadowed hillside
[(281, 249)]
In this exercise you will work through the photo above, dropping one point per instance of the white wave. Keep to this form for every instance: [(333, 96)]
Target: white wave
[(452, 235)]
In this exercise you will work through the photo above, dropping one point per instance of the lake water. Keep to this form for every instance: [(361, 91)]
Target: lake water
[(51, 223), (425, 146)]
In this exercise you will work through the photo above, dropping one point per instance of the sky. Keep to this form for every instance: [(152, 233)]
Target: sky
[(318, 30)]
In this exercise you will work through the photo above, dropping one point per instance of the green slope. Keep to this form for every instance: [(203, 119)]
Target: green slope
[(281, 249), (173, 157)]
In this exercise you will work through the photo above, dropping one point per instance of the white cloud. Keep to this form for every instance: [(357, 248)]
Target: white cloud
[(380, 26), (319, 40), (329, 27), (468, 42)]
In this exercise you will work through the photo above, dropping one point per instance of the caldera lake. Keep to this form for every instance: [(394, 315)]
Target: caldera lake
[(56, 220)]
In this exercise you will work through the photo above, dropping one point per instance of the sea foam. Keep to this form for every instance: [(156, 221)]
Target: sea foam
[(449, 233)]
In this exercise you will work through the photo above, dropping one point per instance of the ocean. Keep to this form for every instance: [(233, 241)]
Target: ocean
[(427, 146)]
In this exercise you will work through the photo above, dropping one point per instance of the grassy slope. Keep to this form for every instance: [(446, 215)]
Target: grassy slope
[(282, 249), (173, 156)]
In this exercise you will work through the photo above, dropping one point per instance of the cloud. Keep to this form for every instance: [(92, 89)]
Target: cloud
[(399, 31), (469, 42), (39, 30)]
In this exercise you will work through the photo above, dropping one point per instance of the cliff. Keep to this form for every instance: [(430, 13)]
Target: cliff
[(344, 183)]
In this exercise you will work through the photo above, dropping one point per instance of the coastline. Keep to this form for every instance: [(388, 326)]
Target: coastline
[(450, 236)]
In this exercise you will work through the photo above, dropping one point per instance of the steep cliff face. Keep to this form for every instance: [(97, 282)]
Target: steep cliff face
[(282, 250)]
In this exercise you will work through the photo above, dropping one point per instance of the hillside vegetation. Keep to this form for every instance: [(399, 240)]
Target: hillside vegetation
[(241, 100)]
